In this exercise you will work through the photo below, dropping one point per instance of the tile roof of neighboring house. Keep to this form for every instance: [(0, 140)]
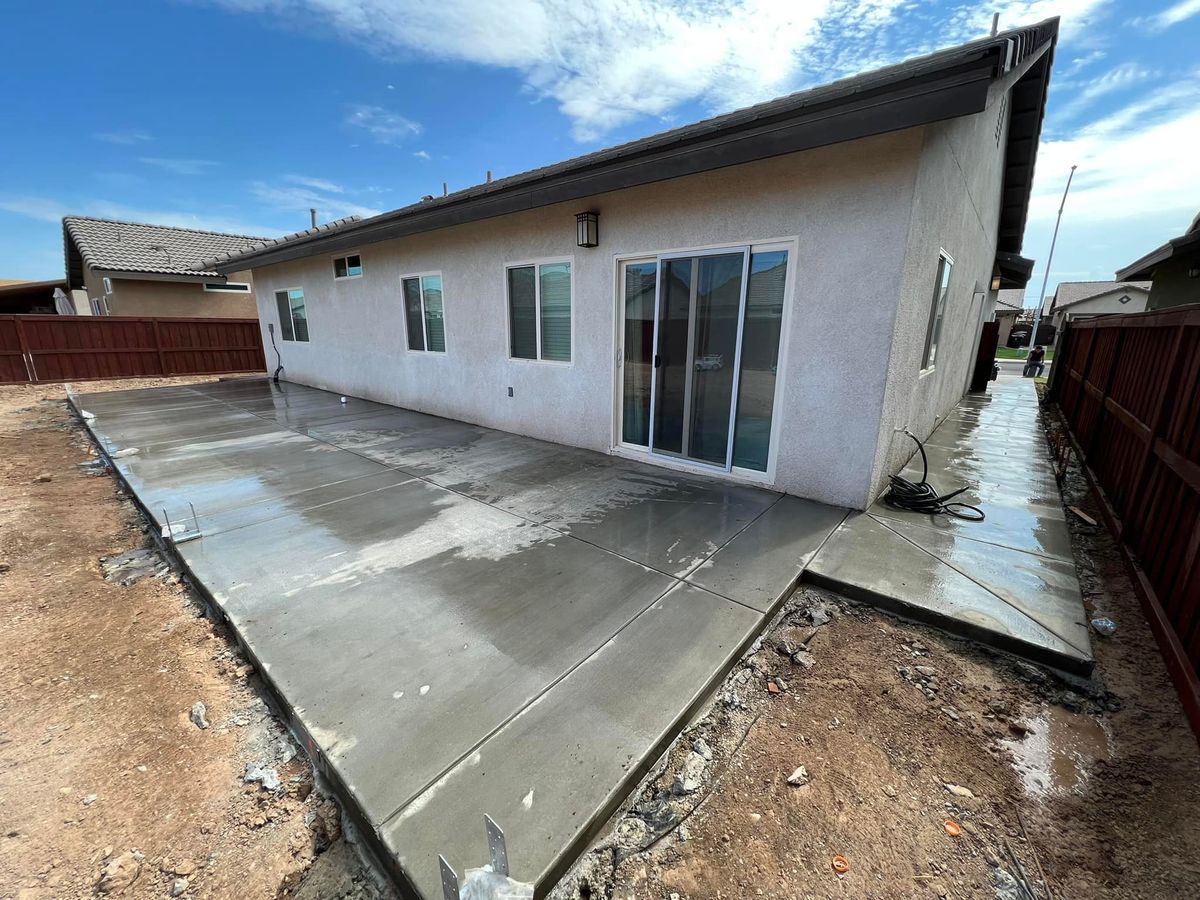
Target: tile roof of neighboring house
[(113, 246), (1011, 298), (1188, 242), (1071, 292), (265, 243), (951, 82)]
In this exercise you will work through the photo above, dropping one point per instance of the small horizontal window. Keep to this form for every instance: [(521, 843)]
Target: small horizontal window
[(227, 287), (347, 266), (293, 318)]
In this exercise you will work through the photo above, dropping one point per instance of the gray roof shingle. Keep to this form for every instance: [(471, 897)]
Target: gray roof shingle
[(115, 246)]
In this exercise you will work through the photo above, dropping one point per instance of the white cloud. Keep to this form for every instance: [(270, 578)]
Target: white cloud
[(422, 155), (384, 126), (291, 197), (43, 209), (1118, 78), (1172, 15), (50, 209), (316, 184), (606, 66), (1135, 186), (127, 137), (180, 166)]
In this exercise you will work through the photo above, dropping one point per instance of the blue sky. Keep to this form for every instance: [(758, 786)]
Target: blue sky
[(238, 115)]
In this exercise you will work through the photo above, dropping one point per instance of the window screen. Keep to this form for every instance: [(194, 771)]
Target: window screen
[(539, 312)]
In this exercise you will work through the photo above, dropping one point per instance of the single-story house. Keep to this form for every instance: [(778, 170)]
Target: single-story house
[(767, 296), (132, 269), (1009, 306), (1086, 299), (1172, 269)]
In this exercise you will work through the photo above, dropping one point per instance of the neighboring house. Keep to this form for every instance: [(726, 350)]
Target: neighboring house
[(765, 296), (1173, 269), (29, 296), (130, 269), (1085, 299), (1009, 306)]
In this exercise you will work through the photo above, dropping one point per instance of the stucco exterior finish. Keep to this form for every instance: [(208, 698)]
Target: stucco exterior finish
[(172, 299), (956, 209), (1103, 305), (1172, 285), (848, 208)]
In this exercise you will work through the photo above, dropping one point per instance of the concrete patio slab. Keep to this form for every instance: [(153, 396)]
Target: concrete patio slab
[(1009, 580), (435, 602)]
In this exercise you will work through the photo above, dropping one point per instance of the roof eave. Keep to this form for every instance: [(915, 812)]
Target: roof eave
[(861, 107), (1143, 269)]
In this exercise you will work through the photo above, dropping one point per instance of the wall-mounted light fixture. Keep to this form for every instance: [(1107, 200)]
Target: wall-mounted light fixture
[(587, 229), (996, 282), (1194, 271)]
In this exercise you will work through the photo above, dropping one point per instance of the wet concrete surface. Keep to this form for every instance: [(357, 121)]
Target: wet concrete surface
[(463, 621), (1009, 580)]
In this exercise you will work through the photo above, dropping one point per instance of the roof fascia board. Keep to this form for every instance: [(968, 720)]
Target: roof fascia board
[(129, 275), (931, 98), (1143, 269)]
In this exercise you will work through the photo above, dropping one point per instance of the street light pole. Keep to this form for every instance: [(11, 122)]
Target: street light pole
[(1037, 316)]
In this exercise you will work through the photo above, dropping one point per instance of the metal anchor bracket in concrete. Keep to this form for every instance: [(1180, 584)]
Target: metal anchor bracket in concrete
[(497, 849), (180, 534)]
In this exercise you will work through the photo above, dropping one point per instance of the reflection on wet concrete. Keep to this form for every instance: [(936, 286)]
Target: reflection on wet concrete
[(1009, 580), (460, 618)]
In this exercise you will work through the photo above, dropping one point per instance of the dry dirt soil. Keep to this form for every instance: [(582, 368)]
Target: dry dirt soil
[(1058, 788), (102, 770)]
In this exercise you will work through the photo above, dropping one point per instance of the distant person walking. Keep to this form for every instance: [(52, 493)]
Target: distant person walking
[(1036, 361)]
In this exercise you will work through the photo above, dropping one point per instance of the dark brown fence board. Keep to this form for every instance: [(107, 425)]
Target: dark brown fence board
[(1128, 387), (83, 348)]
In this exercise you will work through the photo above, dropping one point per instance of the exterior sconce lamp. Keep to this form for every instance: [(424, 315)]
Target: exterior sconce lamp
[(587, 229), (1194, 271), (995, 282)]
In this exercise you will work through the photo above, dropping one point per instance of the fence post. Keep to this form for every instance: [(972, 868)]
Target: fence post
[(162, 360), (23, 345)]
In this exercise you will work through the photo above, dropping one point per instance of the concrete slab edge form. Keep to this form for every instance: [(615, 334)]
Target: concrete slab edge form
[(985, 636), (372, 836), (370, 841)]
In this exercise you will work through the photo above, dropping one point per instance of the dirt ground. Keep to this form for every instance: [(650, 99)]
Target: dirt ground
[(107, 785), (1059, 788)]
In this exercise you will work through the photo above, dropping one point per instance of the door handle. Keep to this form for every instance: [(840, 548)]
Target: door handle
[(657, 361)]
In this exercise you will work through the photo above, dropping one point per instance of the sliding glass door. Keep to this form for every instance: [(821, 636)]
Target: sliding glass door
[(700, 347)]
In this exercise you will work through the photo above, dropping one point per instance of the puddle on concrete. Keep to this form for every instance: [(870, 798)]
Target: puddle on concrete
[(1058, 754)]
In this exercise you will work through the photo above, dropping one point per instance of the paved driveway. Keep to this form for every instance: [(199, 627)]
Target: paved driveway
[(461, 621)]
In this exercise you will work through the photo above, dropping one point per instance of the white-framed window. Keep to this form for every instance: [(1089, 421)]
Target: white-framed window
[(347, 266), (539, 310), (937, 310), (107, 285), (99, 306), (293, 318), (227, 287), (424, 312)]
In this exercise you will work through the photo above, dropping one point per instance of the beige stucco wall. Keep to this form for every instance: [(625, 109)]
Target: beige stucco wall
[(172, 299), (848, 207), (956, 208), (1172, 286)]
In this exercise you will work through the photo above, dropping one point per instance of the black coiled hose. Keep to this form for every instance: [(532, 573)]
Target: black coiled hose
[(922, 498)]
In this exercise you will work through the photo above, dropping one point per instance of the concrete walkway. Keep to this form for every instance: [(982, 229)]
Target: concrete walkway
[(459, 621), (1008, 581)]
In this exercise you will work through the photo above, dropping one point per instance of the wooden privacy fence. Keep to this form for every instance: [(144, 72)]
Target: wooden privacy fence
[(1129, 387), (78, 348)]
